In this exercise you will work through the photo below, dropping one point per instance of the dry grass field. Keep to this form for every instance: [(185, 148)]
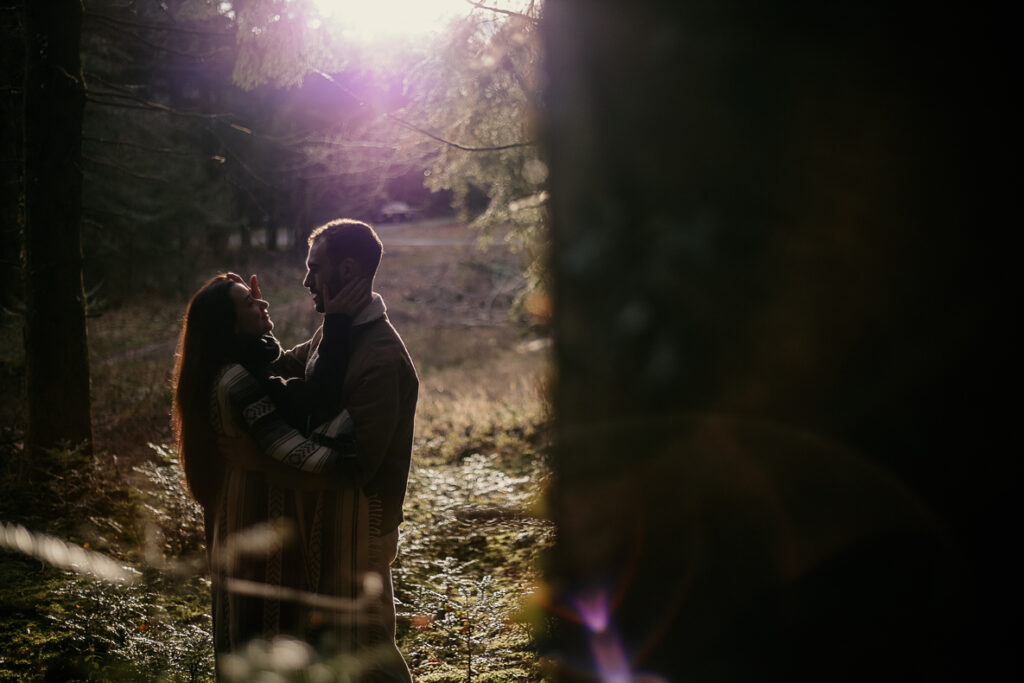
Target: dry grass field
[(474, 528)]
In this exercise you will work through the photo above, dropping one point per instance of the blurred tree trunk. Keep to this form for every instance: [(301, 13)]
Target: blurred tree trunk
[(244, 234), (55, 333), (12, 70), (272, 227), (300, 200), (781, 290)]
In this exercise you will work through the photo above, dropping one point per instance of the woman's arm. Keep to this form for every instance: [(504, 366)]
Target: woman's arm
[(299, 399), (241, 395), (312, 398)]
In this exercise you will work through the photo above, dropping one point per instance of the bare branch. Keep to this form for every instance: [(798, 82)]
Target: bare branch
[(146, 105), (348, 144), (125, 93), (507, 12), (248, 191), (122, 215), (124, 170), (237, 158), (413, 127), (154, 27), (163, 48), (158, 150)]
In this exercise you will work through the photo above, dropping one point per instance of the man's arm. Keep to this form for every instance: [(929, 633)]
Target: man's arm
[(374, 405), (318, 398)]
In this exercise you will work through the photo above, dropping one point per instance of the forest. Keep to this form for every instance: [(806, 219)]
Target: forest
[(711, 306), (213, 137)]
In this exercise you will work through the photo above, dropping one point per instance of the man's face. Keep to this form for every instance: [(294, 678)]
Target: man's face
[(321, 271), (252, 317)]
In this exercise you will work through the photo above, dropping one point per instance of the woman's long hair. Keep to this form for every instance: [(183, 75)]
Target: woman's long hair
[(206, 343)]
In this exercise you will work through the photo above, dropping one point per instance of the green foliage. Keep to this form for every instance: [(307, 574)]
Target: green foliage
[(467, 614), (156, 181), (468, 561), (174, 520), (477, 86), (462, 611), (277, 44), (207, 126), (488, 96), (459, 616), (74, 626), (139, 632)]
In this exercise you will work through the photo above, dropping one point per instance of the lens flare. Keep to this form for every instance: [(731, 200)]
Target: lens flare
[(390, 18), (610, 659)]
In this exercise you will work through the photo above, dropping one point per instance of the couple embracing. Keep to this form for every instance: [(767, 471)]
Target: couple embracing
[(300, 458)]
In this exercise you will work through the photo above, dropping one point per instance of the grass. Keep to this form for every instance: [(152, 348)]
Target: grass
[(474, 517)]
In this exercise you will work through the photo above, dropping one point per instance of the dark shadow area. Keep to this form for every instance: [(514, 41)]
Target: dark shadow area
[(783, 300)]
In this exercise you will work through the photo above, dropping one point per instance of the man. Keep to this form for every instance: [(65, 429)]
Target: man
[(379, 391)]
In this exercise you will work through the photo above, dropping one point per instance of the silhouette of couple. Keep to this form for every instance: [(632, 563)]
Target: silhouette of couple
[(299, 459)]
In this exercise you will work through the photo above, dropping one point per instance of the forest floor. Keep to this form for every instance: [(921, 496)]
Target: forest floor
[(474, 530)]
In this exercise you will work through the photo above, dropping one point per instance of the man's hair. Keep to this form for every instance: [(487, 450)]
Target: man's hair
[(349, 238)]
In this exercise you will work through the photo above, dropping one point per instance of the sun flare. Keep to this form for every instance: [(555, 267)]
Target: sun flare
[(374, 19)]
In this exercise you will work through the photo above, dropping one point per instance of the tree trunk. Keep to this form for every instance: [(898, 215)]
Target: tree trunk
[(781, 318), (12, 110), (56, 349), (299, 197), (244, 234), (272, 228)]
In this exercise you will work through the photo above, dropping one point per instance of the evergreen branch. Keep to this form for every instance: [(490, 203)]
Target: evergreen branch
[(416, 129), (154, 27)]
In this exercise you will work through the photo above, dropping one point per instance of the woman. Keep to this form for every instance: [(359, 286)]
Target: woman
[(281, 515)]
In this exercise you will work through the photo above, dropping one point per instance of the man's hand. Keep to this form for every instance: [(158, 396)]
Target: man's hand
[(350, 300), (253, 284)]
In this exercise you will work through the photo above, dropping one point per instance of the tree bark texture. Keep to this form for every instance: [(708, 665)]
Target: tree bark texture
[(57, 361), (781, 293)]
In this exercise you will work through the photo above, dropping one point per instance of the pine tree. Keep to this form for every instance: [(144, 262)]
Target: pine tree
[(57, 360)]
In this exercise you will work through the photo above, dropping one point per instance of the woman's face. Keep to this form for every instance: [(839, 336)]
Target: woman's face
[(251, 316)]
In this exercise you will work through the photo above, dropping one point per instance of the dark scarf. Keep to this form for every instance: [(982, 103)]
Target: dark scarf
[(256, 354)]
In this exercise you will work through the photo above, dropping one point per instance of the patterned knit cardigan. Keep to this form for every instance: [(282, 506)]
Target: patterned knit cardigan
[(293, 536)]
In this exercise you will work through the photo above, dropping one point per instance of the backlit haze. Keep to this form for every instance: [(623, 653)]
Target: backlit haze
[(374, 20)]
